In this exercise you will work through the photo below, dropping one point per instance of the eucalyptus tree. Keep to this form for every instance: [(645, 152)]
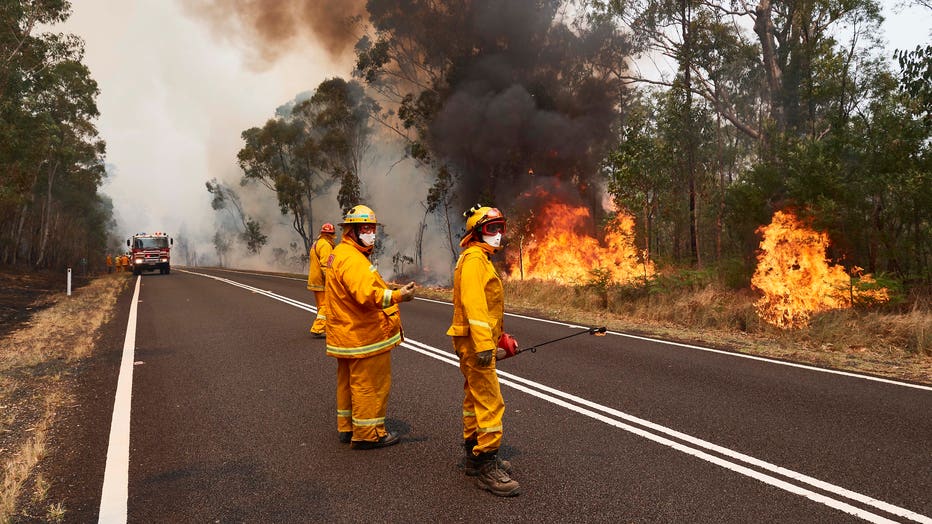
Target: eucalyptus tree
[(339, 129), (300, 155), (224, 197), (769, 68), (50, 152), (273, 156)]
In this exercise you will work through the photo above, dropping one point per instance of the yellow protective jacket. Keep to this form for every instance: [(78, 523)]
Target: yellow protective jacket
[(479, 299), (362, 318), (317, 263)]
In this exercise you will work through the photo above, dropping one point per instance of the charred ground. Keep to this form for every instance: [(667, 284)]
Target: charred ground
[(23, 292)]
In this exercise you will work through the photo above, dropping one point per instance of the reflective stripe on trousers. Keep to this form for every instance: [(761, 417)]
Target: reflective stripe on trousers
[(363, 392)]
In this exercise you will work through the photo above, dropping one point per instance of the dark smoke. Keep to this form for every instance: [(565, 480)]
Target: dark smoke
[(275, 26), (528, 100)]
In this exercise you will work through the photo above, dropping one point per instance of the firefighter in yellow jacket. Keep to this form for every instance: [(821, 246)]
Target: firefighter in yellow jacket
[(477, 330), (317, 265), (363, 325)]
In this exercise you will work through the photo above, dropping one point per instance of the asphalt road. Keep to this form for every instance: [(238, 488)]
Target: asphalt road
[(233, 420)]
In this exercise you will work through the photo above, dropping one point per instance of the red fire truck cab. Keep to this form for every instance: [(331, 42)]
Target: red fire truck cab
[(150, 251)]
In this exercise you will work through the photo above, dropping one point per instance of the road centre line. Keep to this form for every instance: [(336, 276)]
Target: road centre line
[(669, 343), (551, 395), (718, 351), (115, 491)]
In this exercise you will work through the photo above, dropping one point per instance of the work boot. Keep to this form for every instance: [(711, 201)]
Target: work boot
[(494, 479), (346, 437), (385, 441), (471, 464)]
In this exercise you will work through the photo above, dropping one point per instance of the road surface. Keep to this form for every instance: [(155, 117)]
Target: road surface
[(232, 419)]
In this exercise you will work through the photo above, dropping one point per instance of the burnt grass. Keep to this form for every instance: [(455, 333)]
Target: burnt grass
[(24, 291)]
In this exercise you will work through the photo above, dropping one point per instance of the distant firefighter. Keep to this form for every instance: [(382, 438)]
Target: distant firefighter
[(109, 263), (318, 265)]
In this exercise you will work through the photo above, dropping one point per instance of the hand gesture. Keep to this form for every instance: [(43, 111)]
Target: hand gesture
[(407, 292)]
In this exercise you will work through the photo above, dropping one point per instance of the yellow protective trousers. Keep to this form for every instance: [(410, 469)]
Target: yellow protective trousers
[(363, 385), (483, 406), (321, 320), (344, 396)]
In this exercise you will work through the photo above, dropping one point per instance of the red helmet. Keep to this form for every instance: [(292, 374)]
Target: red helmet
[(327, 228)]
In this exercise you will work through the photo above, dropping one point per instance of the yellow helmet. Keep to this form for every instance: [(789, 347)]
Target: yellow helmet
[(478, 216), (359, 215)]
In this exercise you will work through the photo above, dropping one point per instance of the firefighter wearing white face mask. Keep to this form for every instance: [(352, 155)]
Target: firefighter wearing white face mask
[(363, 325), (478, 315)]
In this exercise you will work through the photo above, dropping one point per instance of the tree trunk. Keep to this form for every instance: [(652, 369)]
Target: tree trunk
[(689, 131), (47, 215)]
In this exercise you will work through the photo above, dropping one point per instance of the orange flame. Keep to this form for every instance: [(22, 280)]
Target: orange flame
[(796, 279), (558, 253)]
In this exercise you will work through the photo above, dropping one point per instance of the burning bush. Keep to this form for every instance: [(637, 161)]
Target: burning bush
[(796, 278)]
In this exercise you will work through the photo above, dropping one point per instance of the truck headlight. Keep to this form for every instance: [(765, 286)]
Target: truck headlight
[(163, 259), (138, 261)]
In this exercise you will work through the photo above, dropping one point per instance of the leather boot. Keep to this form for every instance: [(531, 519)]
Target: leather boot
[(494, 479), (471, 464)]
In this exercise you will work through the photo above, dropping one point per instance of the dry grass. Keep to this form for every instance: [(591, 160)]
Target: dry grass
[(34, 361), (890, 344)]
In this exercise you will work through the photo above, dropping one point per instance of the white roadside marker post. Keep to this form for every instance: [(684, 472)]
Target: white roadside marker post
[(69, 281)]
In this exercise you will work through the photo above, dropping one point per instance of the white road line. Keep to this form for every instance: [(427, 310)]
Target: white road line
[(115, 492), (678, 344), (718, 351), (550, 395)]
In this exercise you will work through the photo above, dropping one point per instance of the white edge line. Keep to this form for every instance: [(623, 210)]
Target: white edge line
[(512, 380), (115, 492)]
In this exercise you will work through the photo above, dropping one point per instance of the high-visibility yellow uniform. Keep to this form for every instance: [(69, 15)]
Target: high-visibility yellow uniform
[(363, 325), (318, 264), (478, 314)]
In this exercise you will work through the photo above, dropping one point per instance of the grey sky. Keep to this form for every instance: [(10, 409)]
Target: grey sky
[(175, 97)]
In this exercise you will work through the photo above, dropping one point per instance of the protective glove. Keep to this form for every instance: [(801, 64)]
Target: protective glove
[(407, 292), (484, 358), (507, 347)]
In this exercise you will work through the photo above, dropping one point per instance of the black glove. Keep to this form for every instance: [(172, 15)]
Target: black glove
[(484, 358)]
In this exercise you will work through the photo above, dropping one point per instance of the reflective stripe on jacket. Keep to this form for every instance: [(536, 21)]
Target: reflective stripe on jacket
[(362, 317), (317, 263), (478, 300)]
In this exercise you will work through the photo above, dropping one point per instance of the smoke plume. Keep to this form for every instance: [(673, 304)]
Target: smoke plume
[(272, 27), (524, 96)]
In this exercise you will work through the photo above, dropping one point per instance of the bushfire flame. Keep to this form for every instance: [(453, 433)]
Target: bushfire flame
[(796, 278), (558, 252)]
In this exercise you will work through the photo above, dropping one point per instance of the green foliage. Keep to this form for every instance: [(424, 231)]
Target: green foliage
[(50, 154), (916, 79), (253, 237)]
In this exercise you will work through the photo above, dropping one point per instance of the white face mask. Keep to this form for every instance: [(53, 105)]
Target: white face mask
[(367, 239), (493, 240)]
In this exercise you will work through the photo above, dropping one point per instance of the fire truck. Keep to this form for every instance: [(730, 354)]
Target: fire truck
[(150, 251)]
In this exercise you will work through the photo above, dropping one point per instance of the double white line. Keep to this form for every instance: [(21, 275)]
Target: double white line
[(788, 480)]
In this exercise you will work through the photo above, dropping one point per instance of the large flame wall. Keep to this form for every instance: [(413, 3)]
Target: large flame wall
[(559, 250)]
